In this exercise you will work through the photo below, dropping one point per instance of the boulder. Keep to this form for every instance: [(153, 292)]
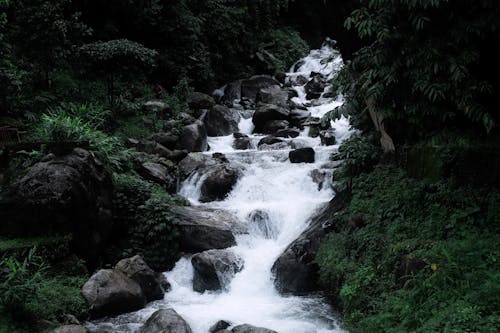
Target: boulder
[(275, 146), (156, 107), (251, 87), (328, 137), (296, 270), (319, 177), (219, 182), (298, 80), (273, 95), (298, 117), (70, 329), (214, 269), (287, 133), (167, 140), (199, 101), (204, 229), (196, 161), (159, 174), (269, 140), (69, 194), (242, 143), (232, 91), (239, 135), (315, 87), (273, 126), (165, 321), (110, 292), (193, 138), (251, 329), (261, 222), (149, 280), (221, 325), (302, 155), (267, 113), (221, 121)]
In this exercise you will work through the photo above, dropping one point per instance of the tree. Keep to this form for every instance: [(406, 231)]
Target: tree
[(119, 58)]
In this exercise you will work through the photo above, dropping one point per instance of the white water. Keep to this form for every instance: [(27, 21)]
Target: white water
[(284, 191)]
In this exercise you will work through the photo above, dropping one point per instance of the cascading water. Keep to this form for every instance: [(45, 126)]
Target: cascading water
[(286, 195)]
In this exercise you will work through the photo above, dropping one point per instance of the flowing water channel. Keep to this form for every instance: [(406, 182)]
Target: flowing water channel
[(288, 195)]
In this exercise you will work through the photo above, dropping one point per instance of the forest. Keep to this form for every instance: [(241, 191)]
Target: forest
[(108, 109)]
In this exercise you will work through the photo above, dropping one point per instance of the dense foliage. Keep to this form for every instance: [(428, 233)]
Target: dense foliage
[(414, 256), (427, 64)]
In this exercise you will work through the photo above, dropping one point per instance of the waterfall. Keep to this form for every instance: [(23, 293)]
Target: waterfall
[(286, 196)]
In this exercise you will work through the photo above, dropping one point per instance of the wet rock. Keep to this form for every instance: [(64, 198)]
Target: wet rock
[(287, 133), (269, 140), (251, 87), (251, 329), (110, 292), (298, 80), (159, 174), (69, 194), (275, 146), (204, 229), (70, 329), (280, 77), (150, 281), (232, 91), (296, 271), (267, 113), (292, 93), (315, 87), (242, 143), (238, 135), (214, 269), (193, 138), (199, 101), (328, 137), (274, 126), (167, 140), (297, 65), (221, 325), (273, 95), (221, 121), (165, 321), (319, 177), (298, 117), (195, 161), (261, 221), (218, 183), (302, 155)]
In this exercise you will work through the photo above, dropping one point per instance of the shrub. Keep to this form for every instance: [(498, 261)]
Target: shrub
[(423, 260)]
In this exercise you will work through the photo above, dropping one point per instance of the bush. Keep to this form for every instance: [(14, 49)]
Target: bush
[(145, 221), (59, 125), (29, 293), (422, 260)]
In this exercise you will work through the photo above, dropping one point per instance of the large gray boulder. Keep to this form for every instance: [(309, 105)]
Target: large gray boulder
[(198, 101), (232, 91), (251, 87), (246, 328), (315, 87), (158, 107), (266, 113), (151, 282), (204, 229), (214, 269), (193, 138), (68, 194), (159, 174), (196, 162), (167, 140), (165, 321), (273, 126), (221, 121), (273, 95), (110, 292), (296, 270), (219, 182)]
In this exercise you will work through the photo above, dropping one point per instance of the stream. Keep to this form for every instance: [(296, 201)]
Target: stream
[(288, 196)]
